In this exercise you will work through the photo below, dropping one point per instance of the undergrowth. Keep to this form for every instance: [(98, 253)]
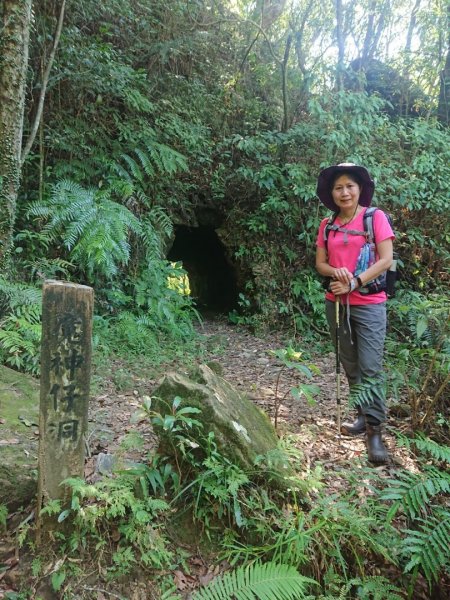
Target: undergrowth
[(307, 542)]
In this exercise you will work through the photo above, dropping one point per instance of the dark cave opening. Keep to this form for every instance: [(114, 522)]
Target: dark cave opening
[(212, 277)]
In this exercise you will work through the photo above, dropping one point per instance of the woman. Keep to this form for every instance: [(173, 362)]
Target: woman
[(347, 190)]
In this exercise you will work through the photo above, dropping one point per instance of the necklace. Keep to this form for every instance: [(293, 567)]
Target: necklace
[(351, 218)]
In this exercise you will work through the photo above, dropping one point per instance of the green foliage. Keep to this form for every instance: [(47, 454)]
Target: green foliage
[(308, 304), (151, 317), (20, 326), (414, 492), (176, 424), (361, 394), (425, 447), (164, 304), (219, 492), (112, 507), (437, 451), (428, 546), (420, 353), (94, 228), (344, 533), (369, 588), (13, 295), (32, 252), (158, 476), (263, 581), (20, 339), (424, 546), (3, 516)]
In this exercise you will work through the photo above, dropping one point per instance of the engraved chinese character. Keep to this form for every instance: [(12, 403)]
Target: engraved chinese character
[(54, 392), (68, 430), (73, 361), (70, 326), (56, 363), (64, 430), (70, 396)]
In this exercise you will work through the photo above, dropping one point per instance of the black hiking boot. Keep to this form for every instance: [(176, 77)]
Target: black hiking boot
[(355, 428), (376, 449)]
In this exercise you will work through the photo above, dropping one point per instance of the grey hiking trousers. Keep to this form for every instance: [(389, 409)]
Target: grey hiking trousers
[(361, 350)]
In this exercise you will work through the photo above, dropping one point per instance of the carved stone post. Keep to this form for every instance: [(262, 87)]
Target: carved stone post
[(65, 378)]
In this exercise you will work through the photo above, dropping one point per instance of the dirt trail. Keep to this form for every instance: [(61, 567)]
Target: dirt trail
[(248, 364)]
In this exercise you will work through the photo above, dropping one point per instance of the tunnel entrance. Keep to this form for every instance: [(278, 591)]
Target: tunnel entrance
[(212, 277)]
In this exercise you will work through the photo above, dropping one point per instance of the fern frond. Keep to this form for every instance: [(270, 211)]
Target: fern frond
[(372, 588), (362, 394), (429, 547), (437, 451), (263, 581), (167, 159), (414, 492), (133, 166), (145, 162), (16, 294), (92, 227)]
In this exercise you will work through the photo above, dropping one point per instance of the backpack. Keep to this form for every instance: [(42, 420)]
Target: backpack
[(385, 281)]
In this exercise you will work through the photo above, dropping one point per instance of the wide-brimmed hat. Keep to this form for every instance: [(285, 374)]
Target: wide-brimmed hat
[(329, 174)]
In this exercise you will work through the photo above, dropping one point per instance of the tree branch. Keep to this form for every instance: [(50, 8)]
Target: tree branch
[(284, 83), (45, 79)]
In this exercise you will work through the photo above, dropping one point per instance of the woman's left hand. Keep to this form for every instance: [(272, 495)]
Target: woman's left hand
[(338, 288)]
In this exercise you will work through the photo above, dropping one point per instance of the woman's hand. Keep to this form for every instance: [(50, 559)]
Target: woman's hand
[(338, 288), (343, 276)]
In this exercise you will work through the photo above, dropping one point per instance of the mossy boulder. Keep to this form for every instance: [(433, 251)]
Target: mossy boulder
[(19, 413), (242, 431)]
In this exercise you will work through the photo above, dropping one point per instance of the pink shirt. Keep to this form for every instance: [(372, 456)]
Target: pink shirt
[(342, 254)]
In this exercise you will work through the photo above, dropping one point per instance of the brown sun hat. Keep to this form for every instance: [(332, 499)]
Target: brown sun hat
[(326, 176)]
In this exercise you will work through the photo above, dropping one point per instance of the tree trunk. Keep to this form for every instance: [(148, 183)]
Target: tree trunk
[(340, 37), (15, 29), (444, 91)]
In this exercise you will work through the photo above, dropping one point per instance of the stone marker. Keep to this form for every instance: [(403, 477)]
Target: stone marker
[(64, 386)]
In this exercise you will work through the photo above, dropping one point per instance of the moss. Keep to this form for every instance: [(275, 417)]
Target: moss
[(242, 431), (19, 410)]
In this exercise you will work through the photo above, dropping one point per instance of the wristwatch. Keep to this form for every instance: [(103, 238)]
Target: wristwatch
[(352, 285)]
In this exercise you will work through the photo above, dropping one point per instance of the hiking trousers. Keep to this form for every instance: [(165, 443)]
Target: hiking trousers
[(362, 332)]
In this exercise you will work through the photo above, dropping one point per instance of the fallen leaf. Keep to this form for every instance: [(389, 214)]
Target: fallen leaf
[(205, 579)]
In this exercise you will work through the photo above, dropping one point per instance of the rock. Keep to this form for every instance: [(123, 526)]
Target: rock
[(241, 430), (105, 463), (19, 409)]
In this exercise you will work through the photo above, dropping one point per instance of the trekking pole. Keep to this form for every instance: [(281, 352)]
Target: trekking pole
[(338, 369)]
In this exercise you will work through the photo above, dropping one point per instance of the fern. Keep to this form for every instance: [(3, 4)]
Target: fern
[(429, 546), (362, 394), (20, 339), (156, 229), (264, 581), (16, 294), (437, 451), (413, 492), (20, 328), (93, 228), (370, 588)]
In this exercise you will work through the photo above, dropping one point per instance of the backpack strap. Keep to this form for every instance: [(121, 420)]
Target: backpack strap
[(368, 223), (330, 226)]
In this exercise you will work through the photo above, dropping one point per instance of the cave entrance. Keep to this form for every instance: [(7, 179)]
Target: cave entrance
[(212, 277)]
